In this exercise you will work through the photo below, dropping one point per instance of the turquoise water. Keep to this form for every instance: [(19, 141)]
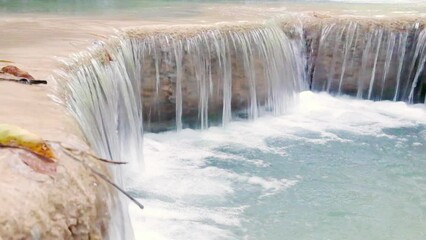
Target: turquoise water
[(134, 8), (161, 8), (98, 6), (334, 168)]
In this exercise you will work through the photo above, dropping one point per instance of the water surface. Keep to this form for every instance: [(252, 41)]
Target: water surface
[(153, 9), (334, 168)]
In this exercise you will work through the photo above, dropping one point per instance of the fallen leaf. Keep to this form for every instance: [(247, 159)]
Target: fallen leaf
[(5, 61), (15, 71), (16, 137)]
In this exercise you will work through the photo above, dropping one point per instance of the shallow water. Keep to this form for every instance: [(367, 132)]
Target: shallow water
[(176, 9), (334, 168)]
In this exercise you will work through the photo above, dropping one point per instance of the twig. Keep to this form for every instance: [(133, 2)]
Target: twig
[(24, 81), (80, 152), (106, 179), (69, 153)]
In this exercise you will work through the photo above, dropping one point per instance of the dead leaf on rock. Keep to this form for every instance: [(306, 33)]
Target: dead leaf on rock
[(15, 71), (16, 137), (42, 157), (5, 61)]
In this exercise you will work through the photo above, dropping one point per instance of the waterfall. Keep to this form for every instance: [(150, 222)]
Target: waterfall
[(203, 78), (369, 60), (162, 79), (420, 54), (105, 100)]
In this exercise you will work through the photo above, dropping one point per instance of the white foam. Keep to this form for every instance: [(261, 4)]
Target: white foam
[(188, 198)]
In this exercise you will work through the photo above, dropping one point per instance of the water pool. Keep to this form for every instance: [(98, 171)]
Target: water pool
[(334, 168)]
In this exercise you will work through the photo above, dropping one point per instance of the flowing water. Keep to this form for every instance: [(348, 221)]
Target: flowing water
[(333, 168), (310, 166), (372, 62), (105, 94)]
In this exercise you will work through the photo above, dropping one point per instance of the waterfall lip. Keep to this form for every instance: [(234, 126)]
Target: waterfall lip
[(178, 31), (306, 20)]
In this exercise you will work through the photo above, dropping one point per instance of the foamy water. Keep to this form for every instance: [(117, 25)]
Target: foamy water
[(334, 168)]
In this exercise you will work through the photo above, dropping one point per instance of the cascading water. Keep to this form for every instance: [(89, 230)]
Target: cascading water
[(420, 55), (370, 60), (105, 100), (186, 78), (208, 76), (163, 78)]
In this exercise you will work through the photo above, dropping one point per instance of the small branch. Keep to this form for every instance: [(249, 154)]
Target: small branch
[(24, 81), (106, 179), (80, 153), (69, 153)]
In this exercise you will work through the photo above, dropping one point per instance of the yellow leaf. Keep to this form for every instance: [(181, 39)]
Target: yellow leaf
[(13, 136), (5, 61)]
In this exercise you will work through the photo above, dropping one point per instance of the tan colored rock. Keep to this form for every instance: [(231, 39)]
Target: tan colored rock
[(69, 204)]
